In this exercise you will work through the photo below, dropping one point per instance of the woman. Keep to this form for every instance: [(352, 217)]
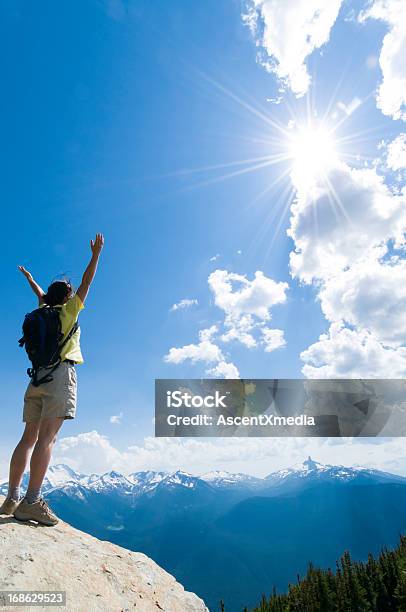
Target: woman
[(48, 404)]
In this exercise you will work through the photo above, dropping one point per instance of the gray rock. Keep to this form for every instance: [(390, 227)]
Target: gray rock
[(97, 576)]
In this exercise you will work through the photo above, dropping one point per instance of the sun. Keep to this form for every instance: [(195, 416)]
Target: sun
[(312, 151), (297, 148)]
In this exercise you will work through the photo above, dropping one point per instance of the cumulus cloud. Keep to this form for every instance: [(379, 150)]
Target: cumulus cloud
[(225, 370), (90, 452), (247, 305), (116, 419), (391, 98), (348, 353), (185, 303), (288, 32), (272, 339), (371, 296), (396, 153), (93, 453), (347, 227), (240, 329), (348, 216), (205, 350), (237, 296)]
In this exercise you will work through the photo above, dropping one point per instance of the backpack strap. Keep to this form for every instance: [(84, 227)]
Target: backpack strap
[(33, 374), (73, 330)]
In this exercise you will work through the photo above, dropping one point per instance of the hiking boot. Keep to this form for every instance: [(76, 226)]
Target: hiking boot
[(9, 506), (38, 511)]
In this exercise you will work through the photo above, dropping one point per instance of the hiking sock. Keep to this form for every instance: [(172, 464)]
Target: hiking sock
[(14, 493), (33, 495)]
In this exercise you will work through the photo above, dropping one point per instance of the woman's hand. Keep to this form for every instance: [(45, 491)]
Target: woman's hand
[(27, 274), (97, 245)]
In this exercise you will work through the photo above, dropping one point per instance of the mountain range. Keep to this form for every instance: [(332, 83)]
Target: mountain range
[(234, 536)]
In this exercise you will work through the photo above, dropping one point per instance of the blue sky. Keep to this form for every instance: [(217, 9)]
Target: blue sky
[(112, 113)]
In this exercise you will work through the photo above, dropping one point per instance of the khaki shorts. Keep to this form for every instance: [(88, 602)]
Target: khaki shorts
[(56, 398)]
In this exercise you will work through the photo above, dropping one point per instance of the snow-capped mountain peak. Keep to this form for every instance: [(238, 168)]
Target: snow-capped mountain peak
[(311, 471), (180, 478), (58, 475), (111, 480)]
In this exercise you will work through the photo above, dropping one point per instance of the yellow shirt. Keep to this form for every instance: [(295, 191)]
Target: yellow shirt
[(69, 315)]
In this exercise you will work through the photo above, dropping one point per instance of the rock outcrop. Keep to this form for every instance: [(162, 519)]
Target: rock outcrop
[(97, 576)]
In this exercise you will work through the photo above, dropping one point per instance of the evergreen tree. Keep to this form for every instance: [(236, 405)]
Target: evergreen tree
[(378, 585)]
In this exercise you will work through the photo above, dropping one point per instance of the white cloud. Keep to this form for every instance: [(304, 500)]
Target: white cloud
[(91, 452), (215, 257), (205, 350), (396, 153), (185, 303), (343, 227), (349, 216), (116, 419), (208, 333), (272, 339), (224, 370), (246, 304), (237, 296), (289, 32), (240, 329), (347, 353), (371, 296), (391, 98)]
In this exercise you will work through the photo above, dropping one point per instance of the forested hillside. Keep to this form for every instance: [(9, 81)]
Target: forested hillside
[(379, 585)]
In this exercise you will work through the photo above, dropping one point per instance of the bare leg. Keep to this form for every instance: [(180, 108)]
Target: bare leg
[(20, 457), (42, 452)]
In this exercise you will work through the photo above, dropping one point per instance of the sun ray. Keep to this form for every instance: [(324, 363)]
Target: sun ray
[(307, 147), (286, 199), (332, 192), (266, 118), (279, 209), (334, 97), (354, 137), (347, 117), (283, 176), (187, 171), (271, 161)]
